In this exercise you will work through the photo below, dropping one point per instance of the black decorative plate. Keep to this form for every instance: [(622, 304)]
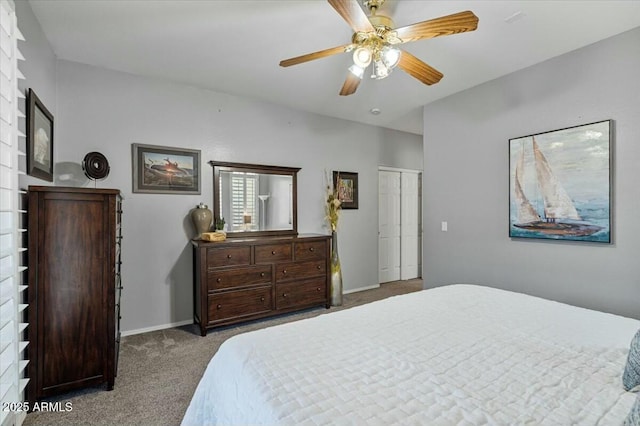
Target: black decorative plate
[(95, 165)]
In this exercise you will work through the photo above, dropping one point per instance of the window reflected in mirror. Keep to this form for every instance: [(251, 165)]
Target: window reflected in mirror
[(256, 202), (255, 199)]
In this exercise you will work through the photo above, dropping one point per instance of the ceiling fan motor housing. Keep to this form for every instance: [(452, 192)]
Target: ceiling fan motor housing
[(381, 22), (373, 4)]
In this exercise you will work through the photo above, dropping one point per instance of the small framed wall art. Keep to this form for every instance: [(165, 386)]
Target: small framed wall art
[(39, 138), (165, 170), (346, 184), (560, 184)]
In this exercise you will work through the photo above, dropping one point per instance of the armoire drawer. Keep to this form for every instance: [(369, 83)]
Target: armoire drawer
[(298, 270), (240, 303), (301, 293), (270, 253), (311, 250), (238, 277), (228, 256)]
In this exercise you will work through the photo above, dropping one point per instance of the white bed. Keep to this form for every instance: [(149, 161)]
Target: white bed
[(454, 355)]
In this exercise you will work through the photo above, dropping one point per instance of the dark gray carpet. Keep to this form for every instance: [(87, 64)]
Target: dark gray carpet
[(159, 371)]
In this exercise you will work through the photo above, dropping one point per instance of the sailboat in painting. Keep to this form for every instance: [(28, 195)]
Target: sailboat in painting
[(559, 216)]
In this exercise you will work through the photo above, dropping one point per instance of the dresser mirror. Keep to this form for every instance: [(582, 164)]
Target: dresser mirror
[(255, 200)]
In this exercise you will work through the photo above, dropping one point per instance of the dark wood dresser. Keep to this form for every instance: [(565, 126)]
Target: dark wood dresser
[(247, 278), (74, 288)]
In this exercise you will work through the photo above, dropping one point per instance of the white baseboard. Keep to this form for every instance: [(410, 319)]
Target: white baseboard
[(181, 323), (355, 290), (156, 328)]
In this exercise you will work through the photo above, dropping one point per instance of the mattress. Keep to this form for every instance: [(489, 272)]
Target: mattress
[(454, 355)]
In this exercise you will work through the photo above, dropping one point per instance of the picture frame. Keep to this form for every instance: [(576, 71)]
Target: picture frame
[(560, 184), (346, 185), (165, 170), (39, 138)]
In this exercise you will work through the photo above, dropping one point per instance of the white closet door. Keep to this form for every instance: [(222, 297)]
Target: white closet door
[(389, 226), (410, 229)]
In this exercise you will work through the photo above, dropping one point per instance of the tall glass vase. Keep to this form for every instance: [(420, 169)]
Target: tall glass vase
[(336, 272)]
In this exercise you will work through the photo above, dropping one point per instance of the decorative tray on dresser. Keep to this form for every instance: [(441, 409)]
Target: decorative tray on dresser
[(242, 279)]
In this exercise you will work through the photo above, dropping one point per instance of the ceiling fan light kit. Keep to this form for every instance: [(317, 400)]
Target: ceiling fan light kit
[(362, 57), (390, 56), (380, 70), (374, 40)]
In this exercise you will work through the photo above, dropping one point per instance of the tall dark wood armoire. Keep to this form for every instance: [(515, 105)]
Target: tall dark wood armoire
[(74, 288)]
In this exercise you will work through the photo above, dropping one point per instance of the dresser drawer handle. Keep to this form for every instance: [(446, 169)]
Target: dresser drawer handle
[(219, 307), (273, 252), (284, 271), (219, 280), (262, 299), (228, 256), (285, 295), (262, 274), (319, 267), (318, 289), (312, 249)]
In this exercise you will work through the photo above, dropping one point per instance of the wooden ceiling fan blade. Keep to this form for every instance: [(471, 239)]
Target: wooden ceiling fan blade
[(445, 25), (351, 12), (350, 85), (418, 69), (315, 55)]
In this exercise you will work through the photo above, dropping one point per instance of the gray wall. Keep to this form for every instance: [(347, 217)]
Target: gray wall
[(100, 110), (466, 179), (107, 111), (39, 69)]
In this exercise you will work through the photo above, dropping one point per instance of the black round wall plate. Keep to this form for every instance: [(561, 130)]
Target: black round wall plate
[(95, 165)]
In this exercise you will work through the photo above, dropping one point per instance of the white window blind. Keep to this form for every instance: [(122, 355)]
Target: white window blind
[(244, 193), (12, 223)]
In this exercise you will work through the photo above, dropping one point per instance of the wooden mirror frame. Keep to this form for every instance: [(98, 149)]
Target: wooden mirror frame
[(219, 166)]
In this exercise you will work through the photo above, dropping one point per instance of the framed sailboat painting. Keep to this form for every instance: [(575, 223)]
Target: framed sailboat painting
[(560, 184)]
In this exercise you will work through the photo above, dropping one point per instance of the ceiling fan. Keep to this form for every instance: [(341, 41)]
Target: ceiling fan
[(375, 40)]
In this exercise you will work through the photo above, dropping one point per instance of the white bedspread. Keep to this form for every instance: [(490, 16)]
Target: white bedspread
[(454, 355)]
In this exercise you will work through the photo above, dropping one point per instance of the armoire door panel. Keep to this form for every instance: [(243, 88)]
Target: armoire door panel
[(72, 274)]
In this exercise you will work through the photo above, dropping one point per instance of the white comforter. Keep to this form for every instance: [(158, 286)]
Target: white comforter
[(454, 355)]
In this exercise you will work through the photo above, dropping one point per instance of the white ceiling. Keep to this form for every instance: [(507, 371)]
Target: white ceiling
[(235, 46)]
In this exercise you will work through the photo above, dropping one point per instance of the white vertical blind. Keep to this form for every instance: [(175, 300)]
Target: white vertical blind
[(244, 195), (12, 220)]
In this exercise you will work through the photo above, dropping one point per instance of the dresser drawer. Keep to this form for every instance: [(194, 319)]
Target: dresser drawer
[(238, 277), (298, 270), (236, 280), (301, 293), (311, 250), (270, 253), (228, 256), (240, 303)]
